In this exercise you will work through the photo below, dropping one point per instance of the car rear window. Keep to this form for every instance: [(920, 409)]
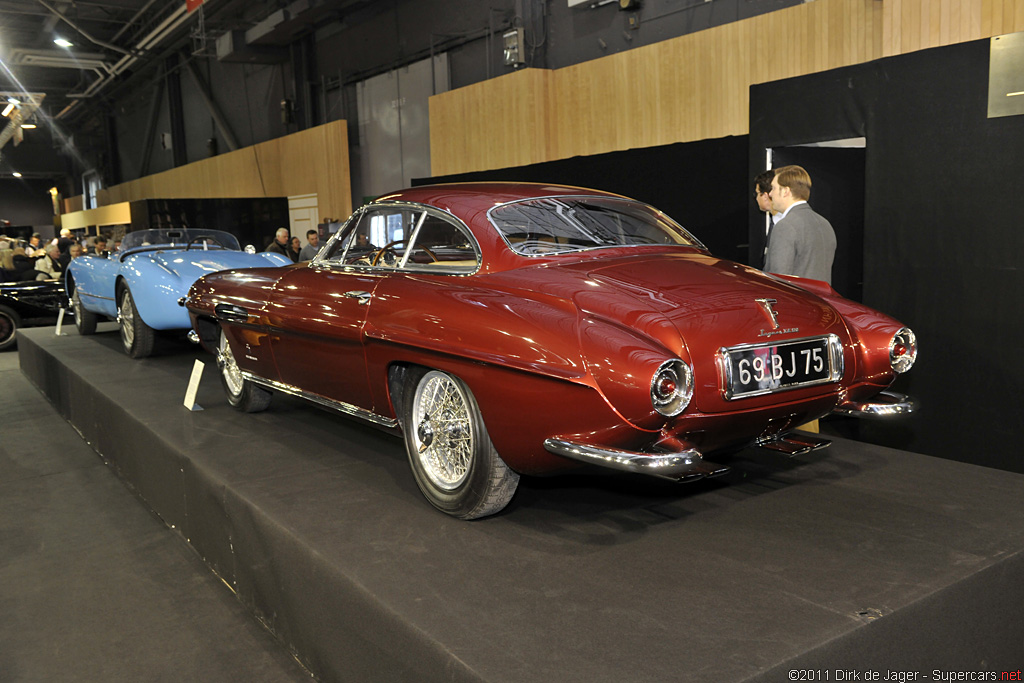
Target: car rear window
[(567, 224)]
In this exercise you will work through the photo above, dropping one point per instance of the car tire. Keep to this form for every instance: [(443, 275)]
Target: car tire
[(242, 394), (10, 321), (85, 321), (136, 336), (456, 468)]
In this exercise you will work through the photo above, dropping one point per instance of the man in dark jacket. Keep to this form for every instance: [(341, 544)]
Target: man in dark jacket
[(280, 243)]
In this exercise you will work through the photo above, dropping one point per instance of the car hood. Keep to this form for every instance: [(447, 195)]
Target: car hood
[(193, 264)]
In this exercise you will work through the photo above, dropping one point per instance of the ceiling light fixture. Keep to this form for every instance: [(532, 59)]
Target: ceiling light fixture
[(16, 174), (7, 110), (63, 42)]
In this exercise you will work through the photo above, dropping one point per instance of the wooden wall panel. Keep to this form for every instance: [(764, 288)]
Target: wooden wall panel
[(504, 118), (694, 87), (911, 25), (307, 162)]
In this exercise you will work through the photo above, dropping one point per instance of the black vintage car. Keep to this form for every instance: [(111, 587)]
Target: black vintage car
[(28, 304)]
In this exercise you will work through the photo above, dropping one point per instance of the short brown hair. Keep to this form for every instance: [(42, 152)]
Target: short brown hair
[(796, 179), (763, 181)]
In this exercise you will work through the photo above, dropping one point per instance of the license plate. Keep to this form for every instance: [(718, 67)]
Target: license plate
[(757, 369)]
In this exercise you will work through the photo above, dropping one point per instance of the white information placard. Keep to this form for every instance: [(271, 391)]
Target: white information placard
[(193, 386)]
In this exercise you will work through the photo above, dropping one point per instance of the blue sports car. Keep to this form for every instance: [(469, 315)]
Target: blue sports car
[(140, 285)]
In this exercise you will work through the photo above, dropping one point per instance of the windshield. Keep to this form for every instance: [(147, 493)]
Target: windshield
[(179, 237), (553, 225)]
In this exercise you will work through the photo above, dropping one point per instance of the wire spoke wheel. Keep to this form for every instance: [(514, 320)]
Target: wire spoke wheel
[(451, 456), (127, 320), (443, 431), (85, 321), (242, 393), (136, 336), (233, 381)]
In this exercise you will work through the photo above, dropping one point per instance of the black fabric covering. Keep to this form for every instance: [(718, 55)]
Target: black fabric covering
[(702, 185), (853, 558), (92, 587), (942, 232)]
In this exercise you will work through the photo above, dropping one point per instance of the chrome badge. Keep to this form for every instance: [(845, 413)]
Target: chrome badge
[(766, 306)]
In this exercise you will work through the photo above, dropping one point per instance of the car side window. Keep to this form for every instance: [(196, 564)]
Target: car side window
[(376, 239), (383, 238), (442, 245)]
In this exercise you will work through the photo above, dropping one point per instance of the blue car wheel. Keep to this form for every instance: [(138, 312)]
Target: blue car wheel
[(85, 320), (136, 336)]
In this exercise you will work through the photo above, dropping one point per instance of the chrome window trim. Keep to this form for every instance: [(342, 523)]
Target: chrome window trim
[(336, 266), (835, 355), (696, 242), (340, 406)]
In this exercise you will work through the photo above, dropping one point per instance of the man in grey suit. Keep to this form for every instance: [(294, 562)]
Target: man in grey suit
[(801, 243)]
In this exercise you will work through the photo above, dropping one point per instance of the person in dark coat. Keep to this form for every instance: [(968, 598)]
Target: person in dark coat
[(24, 267), (280, 243)]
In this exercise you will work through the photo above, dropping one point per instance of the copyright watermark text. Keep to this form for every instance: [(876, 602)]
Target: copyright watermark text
[(894, 676)]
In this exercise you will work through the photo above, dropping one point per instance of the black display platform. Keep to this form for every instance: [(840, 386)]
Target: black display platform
[(856, 558)]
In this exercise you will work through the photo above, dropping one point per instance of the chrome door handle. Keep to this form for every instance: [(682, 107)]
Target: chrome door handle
[(362, 297), (235, 314)]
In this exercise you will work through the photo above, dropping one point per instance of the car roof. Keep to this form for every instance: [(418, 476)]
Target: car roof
[(472, 197)]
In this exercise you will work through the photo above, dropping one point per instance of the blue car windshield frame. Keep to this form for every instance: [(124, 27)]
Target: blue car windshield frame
[(179, 238)]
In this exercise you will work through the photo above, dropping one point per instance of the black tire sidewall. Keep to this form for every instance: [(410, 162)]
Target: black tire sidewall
[(85, 321), (127, 300), (15, 319), (142, 334), (249, 398)]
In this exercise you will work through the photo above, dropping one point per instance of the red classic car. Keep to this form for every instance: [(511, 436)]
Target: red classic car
[(511, 329)]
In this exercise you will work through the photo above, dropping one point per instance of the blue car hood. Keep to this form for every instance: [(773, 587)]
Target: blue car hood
[(190, 265)]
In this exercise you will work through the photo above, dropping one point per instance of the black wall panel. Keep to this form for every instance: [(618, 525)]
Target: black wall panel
[(942, 232), (26, 202), (702, 185)]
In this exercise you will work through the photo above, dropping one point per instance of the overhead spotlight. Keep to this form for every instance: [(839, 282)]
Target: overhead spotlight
[(28, 126), (9, 108), (16, 174), (63, 42)]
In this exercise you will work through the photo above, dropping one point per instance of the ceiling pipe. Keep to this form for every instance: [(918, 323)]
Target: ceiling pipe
[(88, 37), (133, 19), (166, 27)]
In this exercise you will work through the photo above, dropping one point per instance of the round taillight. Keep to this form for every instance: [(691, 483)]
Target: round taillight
[(672, 387), (903, 350)]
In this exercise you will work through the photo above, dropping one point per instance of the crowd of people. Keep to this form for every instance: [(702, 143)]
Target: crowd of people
[(33, 259), (291, 246), (24, 260)]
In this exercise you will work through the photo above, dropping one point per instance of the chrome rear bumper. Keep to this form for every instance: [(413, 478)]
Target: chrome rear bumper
[(687, 465), (886, 404)]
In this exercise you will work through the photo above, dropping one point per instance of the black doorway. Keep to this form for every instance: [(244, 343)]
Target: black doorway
[(837, 193)]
